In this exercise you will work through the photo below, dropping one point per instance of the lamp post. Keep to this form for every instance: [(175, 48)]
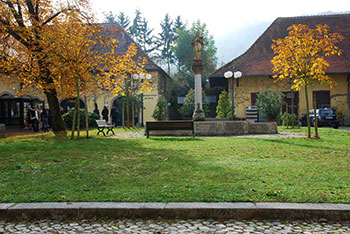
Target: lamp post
[(142, 77), (231, 75)]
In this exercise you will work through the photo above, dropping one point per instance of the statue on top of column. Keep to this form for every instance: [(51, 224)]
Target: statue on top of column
[(197, 44)]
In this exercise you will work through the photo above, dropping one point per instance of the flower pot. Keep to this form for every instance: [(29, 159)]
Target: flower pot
[(272, 120)]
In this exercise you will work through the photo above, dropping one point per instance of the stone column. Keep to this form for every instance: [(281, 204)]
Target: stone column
[(197, 67)]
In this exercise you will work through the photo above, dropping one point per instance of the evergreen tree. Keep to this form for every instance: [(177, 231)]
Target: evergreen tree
[(134, 29), (224, 107), (123, 20), (145, 39), (161, 110), (188, 107), (110, 18), (183, 52), (178, 24), (165, 41)]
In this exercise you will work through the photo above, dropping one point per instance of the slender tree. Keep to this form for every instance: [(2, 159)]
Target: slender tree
[(178, 24), (300, 56), (145, 39), (22, 40), (134, 29), (123, 21), (110, 18), (165, 41)]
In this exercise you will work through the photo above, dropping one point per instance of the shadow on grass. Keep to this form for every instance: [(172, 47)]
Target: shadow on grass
[(306, 145), (175, 139)]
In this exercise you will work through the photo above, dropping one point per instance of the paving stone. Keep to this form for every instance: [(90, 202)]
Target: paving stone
[(173, 226)]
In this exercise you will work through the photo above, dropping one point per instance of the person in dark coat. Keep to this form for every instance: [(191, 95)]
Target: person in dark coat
[(105, 113), (45, 120), (114, 115), (35, 119), (97, 111), (29, 118)]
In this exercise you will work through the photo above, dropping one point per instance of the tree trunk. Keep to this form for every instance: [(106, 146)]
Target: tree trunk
[(123, 114), (58, 126), (86, 118), (315, 116), (287, 115), (307, 113), (127, 111), (74, 119), (292, 112), (132, 112)]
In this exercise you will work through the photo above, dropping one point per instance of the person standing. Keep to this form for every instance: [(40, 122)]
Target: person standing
[(35, 119), (97, 111), (105, 113), (45, 120), (114, 115)]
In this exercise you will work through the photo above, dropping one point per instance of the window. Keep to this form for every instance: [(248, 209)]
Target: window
[(323, 99)]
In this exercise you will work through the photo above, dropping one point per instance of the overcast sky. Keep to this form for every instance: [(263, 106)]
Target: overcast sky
[(221, 16), (234, 24)]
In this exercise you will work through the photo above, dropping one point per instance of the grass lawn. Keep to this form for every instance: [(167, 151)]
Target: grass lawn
[(162, 169)]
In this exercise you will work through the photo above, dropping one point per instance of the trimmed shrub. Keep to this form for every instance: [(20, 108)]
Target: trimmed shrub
[(161, 110), (68, 118), (224, 107), (188, 107), (270, 102)]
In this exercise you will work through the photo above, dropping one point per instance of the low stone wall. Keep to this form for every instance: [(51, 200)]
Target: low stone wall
[(223, 128)]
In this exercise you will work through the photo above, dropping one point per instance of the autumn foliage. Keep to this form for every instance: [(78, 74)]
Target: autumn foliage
[(57, 48), (301, 57)]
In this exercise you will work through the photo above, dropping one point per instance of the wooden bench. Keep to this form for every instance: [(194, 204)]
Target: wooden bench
[(102, 125), (169, 125)]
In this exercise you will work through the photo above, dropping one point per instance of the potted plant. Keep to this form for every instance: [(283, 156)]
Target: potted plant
[(270, 102)]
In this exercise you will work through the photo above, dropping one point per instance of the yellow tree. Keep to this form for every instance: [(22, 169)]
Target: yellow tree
[(55, 47), (85, 59), (300, 56), (23, 24)]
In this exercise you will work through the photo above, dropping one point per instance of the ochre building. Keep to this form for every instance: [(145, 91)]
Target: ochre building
[(13, 109), (256, 67)]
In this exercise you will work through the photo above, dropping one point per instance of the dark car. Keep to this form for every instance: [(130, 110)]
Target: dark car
[(325, 117)]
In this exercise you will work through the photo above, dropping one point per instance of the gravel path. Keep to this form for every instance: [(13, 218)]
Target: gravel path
[(173, 226)]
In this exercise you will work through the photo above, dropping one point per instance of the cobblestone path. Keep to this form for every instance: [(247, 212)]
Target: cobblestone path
[(173, 226)]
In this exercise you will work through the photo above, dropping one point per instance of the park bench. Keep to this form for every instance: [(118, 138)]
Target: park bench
[(102, 125), (169, 125)]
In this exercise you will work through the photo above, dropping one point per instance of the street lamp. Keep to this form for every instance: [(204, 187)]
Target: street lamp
[(228, 75), (142, 77)]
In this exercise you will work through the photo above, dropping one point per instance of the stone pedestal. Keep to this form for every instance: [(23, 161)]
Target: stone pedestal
[(198, 114)]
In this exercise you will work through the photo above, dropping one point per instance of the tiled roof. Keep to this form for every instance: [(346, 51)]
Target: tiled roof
[(124, 41), (256, 60)]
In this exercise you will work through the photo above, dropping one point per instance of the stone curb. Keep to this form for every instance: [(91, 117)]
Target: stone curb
[(175, 210)]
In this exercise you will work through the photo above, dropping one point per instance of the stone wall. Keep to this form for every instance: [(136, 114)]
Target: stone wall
[(223, 128)]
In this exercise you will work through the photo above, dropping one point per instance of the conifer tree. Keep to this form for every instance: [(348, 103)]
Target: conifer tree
[(134, 29), (145, 39), (110, 18), (166, 40), (123, 21), (224, 107)]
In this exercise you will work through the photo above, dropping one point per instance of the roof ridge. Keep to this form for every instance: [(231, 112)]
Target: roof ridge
[(315, 16), (241, 62), (144, 54)]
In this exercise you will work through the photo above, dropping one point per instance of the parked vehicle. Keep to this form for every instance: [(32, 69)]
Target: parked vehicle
[(325, 117)]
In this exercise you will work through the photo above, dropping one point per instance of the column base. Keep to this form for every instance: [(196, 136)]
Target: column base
[(198, 115)]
